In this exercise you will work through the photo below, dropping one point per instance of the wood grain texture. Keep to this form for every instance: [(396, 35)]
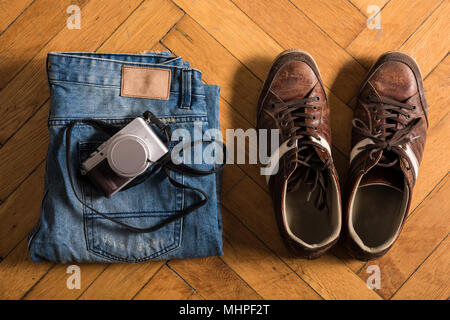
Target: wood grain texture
[(26, 93), (53, 286), (341, 122), (18, 273), (21, 211), (121, 282), (224, 21), (143, 29), (430, 281), (342, 253), (423, 231), (399, 19), (435, 164), (36, 26), (233, 43), (11, 10), (239, 87), (363, 4), (283, 22), (339, 19), (213, 279), (437, 86), (23, 153), (428, 45), (232, 175), (230, 119), (258, 266), (166, 285)]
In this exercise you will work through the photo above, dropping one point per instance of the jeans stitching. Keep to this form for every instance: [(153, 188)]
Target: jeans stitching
[(93, 233)]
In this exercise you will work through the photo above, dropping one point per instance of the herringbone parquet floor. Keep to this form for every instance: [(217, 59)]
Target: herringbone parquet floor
[(233, 42)]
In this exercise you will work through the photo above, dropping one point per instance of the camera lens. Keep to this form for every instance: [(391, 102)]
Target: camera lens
[(128, 156)]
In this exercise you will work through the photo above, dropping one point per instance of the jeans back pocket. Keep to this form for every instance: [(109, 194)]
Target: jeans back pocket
[(141, 206)]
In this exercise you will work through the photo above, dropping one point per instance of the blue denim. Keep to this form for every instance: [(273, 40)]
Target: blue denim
[(87, 85)]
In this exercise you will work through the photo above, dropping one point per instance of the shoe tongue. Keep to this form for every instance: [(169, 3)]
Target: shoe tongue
[(386, 158), (299, 171), (321, 151), (311, 147)]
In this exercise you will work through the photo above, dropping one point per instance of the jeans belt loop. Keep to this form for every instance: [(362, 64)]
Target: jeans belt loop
[(186, 76)]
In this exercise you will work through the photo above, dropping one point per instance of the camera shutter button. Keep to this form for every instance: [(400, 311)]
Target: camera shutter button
[(128, 155)]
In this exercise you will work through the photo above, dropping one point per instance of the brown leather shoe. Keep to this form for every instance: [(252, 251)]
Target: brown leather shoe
[(305, 189), (389, 132)]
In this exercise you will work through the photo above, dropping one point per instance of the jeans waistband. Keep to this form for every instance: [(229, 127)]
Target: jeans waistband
[(105, 70)]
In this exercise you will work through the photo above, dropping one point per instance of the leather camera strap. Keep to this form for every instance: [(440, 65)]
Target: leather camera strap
[(164, 163)]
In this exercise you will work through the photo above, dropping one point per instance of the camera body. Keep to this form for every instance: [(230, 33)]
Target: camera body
[(123, 157)]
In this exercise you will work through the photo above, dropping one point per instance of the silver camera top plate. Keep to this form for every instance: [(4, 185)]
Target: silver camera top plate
[(130, 151)]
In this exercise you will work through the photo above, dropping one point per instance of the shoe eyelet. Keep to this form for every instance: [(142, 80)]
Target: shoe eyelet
[(284, 123), (314, 108), (317, 98), (315, 128), (290, 143), (314, 117), (408, 116)]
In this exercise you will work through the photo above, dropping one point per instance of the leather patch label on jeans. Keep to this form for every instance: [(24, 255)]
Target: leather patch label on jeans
[(148, 83)]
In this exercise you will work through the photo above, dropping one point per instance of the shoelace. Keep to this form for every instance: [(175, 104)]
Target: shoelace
[(291, 112), (393, 134)]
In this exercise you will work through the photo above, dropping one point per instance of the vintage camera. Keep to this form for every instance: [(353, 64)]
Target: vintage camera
[(123, 157)]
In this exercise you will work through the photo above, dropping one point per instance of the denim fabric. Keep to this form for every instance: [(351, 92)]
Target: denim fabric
[(87, 85)]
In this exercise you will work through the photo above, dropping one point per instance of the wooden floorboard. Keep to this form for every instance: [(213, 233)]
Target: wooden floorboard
[(427, 223), (362, 5), (35, 31), (233, 43), (431, 278), (212, 278), (399, 20), (167, 285), (10, 11), (264, 271)]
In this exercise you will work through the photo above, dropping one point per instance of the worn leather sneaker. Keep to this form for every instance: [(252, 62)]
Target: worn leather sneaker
[(305, 189), (388, 139)]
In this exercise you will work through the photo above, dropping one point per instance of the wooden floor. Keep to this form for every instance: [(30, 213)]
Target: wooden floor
[(233, 42)]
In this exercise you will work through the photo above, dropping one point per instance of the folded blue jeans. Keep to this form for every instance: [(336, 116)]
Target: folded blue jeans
[(88, 85)]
